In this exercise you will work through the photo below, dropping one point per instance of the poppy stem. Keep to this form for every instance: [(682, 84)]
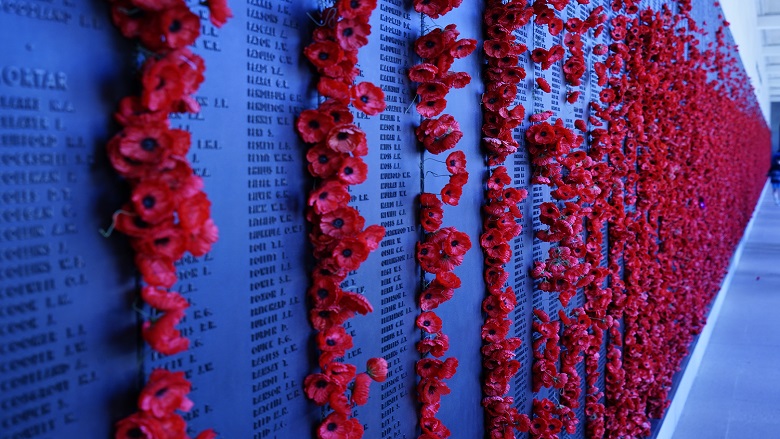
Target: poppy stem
[(107, 233), (431, 158), (317, 22), (435, 174), (140, 311), (411, 103), (428, 28)]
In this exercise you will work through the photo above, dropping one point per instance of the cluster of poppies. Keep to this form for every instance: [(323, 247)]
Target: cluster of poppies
[(438, 49), (501, 212), (665, 260), (165, 393), (168, 213), (442, 249), (435, 8), (340, 240)]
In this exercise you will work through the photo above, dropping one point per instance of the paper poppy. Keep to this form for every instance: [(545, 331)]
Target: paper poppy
[(456, 162), (355, 8), (429, 322), (165, 392), (162, 335), (352, 33), (368, 98), (377, 369)]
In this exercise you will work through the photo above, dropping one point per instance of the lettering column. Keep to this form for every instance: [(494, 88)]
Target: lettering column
[(524, 248), (68, 340), (389, 278)]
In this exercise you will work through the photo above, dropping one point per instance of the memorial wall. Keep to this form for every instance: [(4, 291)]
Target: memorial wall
[(585, 309)]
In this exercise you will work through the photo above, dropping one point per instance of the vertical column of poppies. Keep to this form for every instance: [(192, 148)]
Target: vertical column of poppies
[(340, 240), (501, 212), (442, 248), (671, 262), (168, 213), (575, 179)]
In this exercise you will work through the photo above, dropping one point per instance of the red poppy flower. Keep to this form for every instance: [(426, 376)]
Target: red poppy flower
[(428, 322), (323, 318), (435, 8), (360, 389), (456, 79), (495, 329), (153, 201), (340, 373), (433, 428), (173, 28), (377, 369), (372, 236), (431, 107), (333, 88), (495, 100), (148, 144), (352, 34), (129, 18), (436, 346), (430, 390), (539, 117), (433, 368), (456, 162), (355, 302), (432, 90), (353, 171), (423, 72), (368, 98), (318, 387), (133, 112), (451, 193), (156, 271), (333, 342), (323, 161), (555, 26), (499, 178), (338, 110), (164, 242), (350, 253), (139, 426), (323, 54), (607, 95), (346, 138), (439, 135), (219, 12), (497, 48), (542, 134), (463, 48), (543, 85), (431, 218), (324, 292), (430, 45), (328, 197), (355, 8), (454, 242), (434, 295), (163, 336), (341, 223), (573, 69), (164, 300), (165, 392), (337, 425), (314, 125), (339, 402)]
